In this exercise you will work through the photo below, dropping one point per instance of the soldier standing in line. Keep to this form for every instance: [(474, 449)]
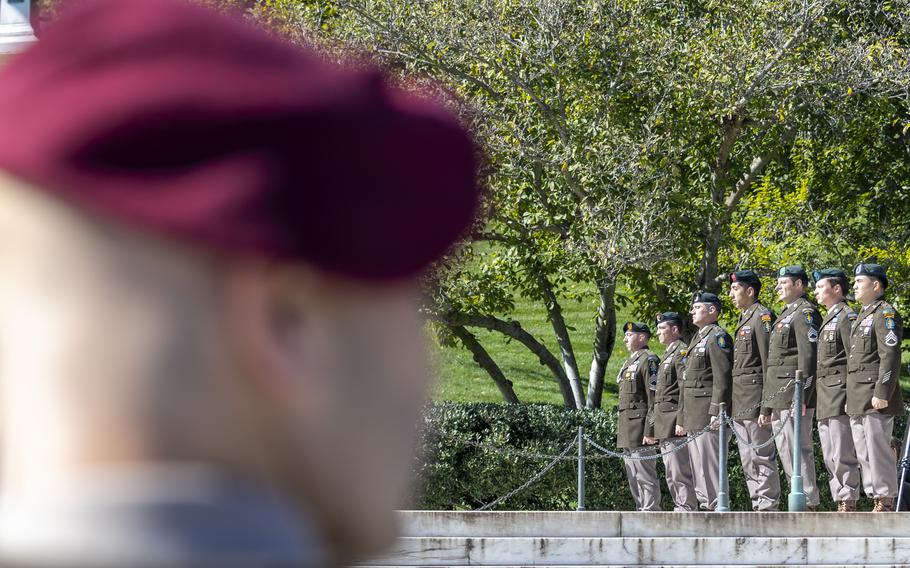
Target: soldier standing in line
[(873, 390), (706, 385), (792, 348), (831, 287), (750, 359), (637, 381), (665, 413)]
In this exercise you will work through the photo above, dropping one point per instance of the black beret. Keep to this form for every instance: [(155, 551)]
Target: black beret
[(748, 277), (835, 273), (873, 270), (671, 317), (637, 326), (794, 271), (706, 298)]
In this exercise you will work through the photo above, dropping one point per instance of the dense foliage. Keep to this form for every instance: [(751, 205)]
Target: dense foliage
[(650, 147), (466, 460)]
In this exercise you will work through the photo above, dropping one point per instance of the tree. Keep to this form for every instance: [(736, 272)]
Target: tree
[(605, 121)]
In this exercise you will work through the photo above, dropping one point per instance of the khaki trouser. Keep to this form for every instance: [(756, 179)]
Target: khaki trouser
[(759, 466), (840, 457), (704, 452), (680, 480), (872, 440), (643, 481), (785, 444)]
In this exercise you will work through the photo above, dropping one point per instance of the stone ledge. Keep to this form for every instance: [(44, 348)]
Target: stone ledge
[(562, 551), (605, 524)]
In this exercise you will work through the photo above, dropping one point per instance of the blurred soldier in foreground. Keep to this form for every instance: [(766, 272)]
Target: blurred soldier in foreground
[(873, 387), (665, 413), (750, 359), (209, 246), (637, 381), (792, 348), (706, 385), (831, 287)]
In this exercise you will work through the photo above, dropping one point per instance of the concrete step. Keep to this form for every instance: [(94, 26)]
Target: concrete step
[(661, 524), (643, 551)]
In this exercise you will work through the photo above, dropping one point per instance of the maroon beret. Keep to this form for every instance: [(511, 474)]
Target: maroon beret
[(176, 119)]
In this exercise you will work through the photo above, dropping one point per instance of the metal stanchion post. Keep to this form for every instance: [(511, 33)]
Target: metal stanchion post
[(581, 468), (903, 492), (723, 502), (797, 497)]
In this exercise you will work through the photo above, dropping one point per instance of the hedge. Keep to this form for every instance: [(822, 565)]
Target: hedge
[(460, 465)]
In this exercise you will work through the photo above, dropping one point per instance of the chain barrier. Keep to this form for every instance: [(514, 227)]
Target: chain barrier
[(532, 480), (643, 453), (742, 443)]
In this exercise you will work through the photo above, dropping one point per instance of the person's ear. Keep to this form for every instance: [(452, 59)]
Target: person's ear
[(265, 325)]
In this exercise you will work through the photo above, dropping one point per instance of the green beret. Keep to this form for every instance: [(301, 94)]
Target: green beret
[(637, 327), (795, 271), (672, 317), (872, 270), (706, 298), (835, 273)]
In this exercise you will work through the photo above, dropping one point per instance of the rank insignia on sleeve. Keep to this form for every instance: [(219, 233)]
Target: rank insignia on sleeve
[(722, 341), (891, 339), (813, 335)]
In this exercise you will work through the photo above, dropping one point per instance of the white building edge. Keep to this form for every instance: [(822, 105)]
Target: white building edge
[(16, 31)]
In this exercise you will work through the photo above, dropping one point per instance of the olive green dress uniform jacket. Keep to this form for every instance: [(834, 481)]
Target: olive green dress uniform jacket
[(637, 381), (665, 411), (707, 381), (874, 362), (792, 348), (750, 359), (831, 373)]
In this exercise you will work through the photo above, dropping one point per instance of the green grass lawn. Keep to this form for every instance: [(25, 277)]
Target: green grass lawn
[(462, 380)]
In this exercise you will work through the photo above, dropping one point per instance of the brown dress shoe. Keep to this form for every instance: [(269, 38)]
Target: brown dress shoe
[(883, 504), (846, 506)]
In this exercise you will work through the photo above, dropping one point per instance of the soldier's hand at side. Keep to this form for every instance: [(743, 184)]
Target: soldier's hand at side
[(649, 441), (879, 403), (714, 422), (680, 431), (764, 420)]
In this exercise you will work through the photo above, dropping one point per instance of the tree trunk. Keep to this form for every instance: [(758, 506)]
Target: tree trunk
[(554, 313), (604, 341), (514, 330), (482, 358), (709, 263)]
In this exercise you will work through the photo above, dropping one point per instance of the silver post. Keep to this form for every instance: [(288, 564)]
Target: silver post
[(581, 468), (797, 497), (723, 502)]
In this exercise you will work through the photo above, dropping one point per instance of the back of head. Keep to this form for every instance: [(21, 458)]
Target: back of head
[(209, 243)]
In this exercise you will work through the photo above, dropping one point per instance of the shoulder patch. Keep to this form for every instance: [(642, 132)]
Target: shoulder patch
[(722, 341), (808, 313), (766, 321), (888, 312), (652, 365)]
